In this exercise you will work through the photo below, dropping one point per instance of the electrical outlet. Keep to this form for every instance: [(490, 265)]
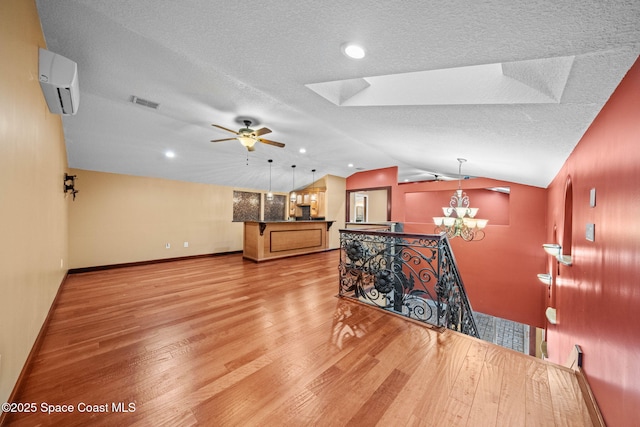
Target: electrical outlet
[(186, 244), (168, 246)]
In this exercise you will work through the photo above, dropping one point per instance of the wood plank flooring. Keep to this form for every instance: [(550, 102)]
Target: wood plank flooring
[(222, 341)]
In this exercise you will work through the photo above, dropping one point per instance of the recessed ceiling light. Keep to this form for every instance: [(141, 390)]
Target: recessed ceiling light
[(350, 165), (170, 154), (353, 51), (303, 150)]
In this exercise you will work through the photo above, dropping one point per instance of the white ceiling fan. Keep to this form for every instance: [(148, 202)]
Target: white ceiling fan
[(248, 137)]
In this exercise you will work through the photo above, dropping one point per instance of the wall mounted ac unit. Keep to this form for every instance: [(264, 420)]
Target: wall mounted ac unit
[(59, 82)]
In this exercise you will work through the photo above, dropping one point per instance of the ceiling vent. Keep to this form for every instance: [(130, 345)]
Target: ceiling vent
[(145, 103)]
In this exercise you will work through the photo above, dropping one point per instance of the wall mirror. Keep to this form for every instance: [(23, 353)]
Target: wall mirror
[(369, 205)]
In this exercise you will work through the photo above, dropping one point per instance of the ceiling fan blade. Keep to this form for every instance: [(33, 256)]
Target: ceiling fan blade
[(224, 128), (266, 141), (220, 140), (262, 131)]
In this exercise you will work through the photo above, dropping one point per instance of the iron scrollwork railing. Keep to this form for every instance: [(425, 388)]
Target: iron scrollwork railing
[(414, 275)]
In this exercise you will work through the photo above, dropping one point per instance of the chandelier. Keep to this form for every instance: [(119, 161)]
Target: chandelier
[(459, 218)]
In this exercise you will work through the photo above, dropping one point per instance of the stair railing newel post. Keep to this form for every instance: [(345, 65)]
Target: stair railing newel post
[(440, 285)]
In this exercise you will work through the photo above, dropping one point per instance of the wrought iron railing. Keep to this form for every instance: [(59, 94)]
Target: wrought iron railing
[(414, 275)]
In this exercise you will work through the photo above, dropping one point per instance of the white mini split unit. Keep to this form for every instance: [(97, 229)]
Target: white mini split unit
[(59, 83)]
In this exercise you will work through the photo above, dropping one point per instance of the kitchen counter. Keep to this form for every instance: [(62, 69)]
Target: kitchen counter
[(264, 240)]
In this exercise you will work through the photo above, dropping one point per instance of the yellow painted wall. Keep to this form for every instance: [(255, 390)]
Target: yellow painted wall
[(336, 207), (114, 219), (119, 219), (377, 205), (33, 208)]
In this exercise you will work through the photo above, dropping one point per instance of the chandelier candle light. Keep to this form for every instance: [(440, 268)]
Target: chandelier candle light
[(459, 218)]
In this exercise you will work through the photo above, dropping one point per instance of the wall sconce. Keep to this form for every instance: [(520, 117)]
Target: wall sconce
[(555, 250), (552, 315), (552, 249), (565, 259), (545, 278), (69, 185)]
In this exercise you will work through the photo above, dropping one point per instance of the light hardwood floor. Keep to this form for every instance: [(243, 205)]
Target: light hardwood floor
[(222, 341)]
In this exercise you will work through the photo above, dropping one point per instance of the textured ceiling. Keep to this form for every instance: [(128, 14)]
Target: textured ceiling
[(210, 62)]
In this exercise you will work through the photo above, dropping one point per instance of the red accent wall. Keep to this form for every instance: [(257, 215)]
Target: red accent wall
[(598, 297), (500, 271), (376, 178)]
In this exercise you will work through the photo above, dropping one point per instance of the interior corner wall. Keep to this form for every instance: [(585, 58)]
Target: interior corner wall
[(597, 298), (336, 207), (386, 177), (33, 208), (119, 219)]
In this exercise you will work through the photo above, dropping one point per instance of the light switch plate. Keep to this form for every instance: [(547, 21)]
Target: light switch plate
[(591, 232), (592, 198)]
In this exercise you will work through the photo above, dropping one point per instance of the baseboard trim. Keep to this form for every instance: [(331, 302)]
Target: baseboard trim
[(589, 399), (149, 262), (274, 258), (26, 368)]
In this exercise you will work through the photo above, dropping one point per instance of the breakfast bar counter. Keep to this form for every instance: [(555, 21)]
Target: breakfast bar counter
[(264, 240)]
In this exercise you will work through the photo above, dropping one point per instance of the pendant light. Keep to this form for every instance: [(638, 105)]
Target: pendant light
[(270, 194), (292, 197), (314, 196)]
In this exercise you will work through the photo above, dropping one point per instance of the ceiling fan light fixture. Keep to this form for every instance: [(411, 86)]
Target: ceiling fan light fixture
[(247, 141), (248, 137)]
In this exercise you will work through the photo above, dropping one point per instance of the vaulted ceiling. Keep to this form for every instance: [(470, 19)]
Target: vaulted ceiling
[(510, 86)]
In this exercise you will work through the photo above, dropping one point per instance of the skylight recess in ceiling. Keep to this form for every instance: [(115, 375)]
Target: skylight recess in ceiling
[(538, 81)]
